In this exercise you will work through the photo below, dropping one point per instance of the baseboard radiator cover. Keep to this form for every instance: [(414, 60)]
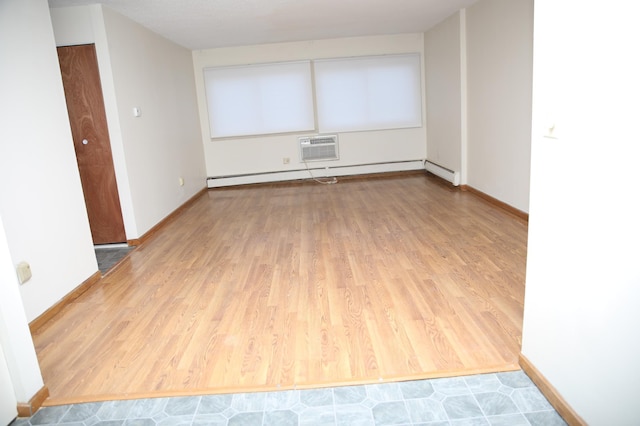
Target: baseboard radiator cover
[(318, 172), (444, 173)]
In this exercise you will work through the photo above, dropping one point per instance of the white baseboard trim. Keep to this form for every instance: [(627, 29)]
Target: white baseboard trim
[(318, 172)]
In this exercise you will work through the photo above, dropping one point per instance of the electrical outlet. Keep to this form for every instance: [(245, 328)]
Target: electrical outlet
[(24, 272), (286, 160), (181, 181)]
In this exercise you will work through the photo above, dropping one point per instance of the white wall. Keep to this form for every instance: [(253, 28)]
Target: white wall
[(8, 401), (443, 77), (41, 199), (499, 69), (138, 68), (74, 25), (15, 338), (265, 153), (583, 281), (164, 144)]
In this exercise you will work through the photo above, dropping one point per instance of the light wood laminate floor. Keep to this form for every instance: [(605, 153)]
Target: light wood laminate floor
[(299, 285)]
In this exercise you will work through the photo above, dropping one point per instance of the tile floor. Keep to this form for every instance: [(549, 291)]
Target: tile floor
[(109, 256), (508, 399)]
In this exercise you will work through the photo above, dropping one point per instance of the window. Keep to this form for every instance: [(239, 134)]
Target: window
[(369, 93), (352, 94), (259, 99)]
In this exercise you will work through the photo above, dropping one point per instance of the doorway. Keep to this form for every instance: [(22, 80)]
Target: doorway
[(85, 104)]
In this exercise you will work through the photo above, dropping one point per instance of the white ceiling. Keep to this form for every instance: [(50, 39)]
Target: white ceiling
[(203, 24)]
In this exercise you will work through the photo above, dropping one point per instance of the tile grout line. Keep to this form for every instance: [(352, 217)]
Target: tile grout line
[(473, 394)]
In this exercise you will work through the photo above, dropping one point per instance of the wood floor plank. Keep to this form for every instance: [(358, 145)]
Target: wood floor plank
[(299, 285)]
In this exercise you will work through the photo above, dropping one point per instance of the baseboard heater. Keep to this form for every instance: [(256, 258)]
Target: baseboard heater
[(444, 173), (321, 171)]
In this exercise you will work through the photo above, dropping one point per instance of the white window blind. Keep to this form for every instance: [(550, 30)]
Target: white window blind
[(259, 99), (368, 93)]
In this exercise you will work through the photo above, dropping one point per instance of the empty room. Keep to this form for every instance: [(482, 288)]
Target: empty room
[(328, 213)]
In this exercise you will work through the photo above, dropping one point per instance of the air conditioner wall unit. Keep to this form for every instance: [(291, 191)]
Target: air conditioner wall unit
[(318, 148)]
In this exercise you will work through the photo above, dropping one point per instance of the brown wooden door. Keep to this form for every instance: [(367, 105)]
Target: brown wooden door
[(85, 104)]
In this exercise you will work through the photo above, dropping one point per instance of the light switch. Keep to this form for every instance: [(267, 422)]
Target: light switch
[(551, 131), (24, 272), (137, 112)]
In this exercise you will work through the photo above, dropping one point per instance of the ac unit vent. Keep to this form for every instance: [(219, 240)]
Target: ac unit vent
[(319, 148)]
